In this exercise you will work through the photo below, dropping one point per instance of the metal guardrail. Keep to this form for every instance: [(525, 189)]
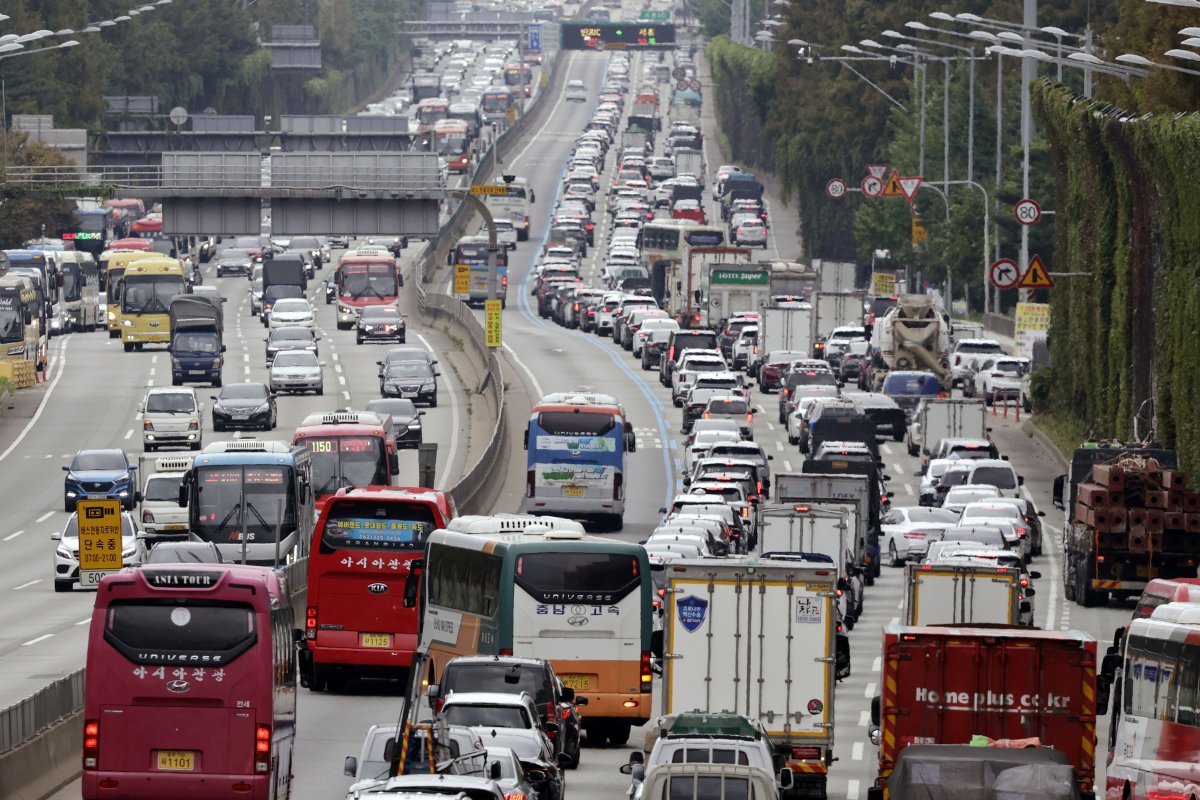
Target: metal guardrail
[(21, 722)]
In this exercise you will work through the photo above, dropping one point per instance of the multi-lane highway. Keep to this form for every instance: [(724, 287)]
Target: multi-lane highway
[(91, 402)]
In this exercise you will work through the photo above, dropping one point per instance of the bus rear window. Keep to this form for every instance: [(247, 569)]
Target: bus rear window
[(176, 633), (579, 577), (371, 525), (570, 423)]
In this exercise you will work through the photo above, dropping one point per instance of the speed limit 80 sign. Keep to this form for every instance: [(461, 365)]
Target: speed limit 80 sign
[(1027, 211)]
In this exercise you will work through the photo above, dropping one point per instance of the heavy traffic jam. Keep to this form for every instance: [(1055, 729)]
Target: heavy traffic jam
[(862, 581)]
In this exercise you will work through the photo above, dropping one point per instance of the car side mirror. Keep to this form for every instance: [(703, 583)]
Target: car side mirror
[(350, 767), (1041, 513), (1030, 591), (1035, 575), (434, 691), (56, 537), (550, 727), (770, 457), (224, 348), (1020, 480), (66, 468)]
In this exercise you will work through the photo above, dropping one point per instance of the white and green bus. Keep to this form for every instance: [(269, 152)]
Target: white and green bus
[(540, 587)]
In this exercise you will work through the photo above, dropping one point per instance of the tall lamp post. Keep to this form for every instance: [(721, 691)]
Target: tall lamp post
[(13, 49)]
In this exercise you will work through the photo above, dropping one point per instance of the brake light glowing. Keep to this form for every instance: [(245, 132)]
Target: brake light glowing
[(262, 748), (310, 623), (91, 744), (505, 652)]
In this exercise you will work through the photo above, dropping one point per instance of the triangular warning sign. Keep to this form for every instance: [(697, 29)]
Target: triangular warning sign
[(1037, 276), (892, 187), (909, 186), (877, 170)]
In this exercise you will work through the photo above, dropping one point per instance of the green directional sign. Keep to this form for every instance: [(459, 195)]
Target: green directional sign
[(655, 16), (739, 277)]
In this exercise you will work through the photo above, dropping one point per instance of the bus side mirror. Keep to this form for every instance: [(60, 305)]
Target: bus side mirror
[(394, 463), (413, 582), (875, 714)]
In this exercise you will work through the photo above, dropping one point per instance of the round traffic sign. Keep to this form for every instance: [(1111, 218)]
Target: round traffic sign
[(696, 85), (1027, 211), (679, 73), (682, 86), (1004, 273), (835, 189), (871, 186), (599, 44)]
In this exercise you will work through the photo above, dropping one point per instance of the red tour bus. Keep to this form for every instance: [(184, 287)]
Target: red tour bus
[(148, 227), (191, 688), (365, 281), (363, 616), (349, 448)]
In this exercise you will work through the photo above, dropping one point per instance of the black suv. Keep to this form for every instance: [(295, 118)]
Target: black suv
[(556, 702)]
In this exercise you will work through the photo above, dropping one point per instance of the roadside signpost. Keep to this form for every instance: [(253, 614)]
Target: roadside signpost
[(99, 539), (835, 189), (1027, 211), (1004, 274)]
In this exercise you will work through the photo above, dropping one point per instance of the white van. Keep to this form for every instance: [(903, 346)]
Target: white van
[(171, 418)]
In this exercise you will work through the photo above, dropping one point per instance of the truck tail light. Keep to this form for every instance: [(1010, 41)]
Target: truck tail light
[(806, 753), (310, 623), (91, 744), (262, 748), (506, 652), (647, 673), (504, 281)]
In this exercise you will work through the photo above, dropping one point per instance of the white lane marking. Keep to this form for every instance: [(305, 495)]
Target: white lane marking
[(864, 719), (908, 488), (770, 426), (41, 638), (128, 434), (62, 368), (83, 621), (856, 753), (337, 368), (876, 664), (851, 790), (787, 465), (537, 386), (444, 477), (346, 395), (887, 449), (45, 516), (152, 372), (342, 380), (779, 446), (869, 692), (154, 358), (26, 585), (13, 535), (246, 357)]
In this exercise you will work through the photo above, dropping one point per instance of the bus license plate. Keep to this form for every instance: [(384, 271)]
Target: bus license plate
[(573, 491), (577, 682), (177, 760), (376, 640)]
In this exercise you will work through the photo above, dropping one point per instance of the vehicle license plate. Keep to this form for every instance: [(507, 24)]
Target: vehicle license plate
[(577, 682), (376, 640), (177, 760), (573, 491)]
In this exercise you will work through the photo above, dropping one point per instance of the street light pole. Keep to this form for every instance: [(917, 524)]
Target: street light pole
[(1028, 73)]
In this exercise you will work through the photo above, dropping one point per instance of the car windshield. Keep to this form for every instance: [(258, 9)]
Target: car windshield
[(1000, 477), (487, 716), (99, 461), (728, 407), (498, 677), (291, 335), (245, 391), (305, 243), (296, 358), (398, 409), (998, 511), (291, 305), (162, 488), (408, 369), (380, 314), (234, 255), (170, 403)]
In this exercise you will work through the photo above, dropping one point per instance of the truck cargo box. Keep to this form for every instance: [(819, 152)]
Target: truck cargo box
[(944, 685), (943, 594)]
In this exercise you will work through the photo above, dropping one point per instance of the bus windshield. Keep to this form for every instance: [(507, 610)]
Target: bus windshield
[(428, 114), (72, 282), (376, 525), (340, 461), (368, 281), (150, 632), (252, 495), (477, 255), (146, 294), (560, 577)]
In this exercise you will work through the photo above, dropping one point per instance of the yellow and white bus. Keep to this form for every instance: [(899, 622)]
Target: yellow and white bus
[(146, 290), (113, 264), (21, 335), (539, 587)]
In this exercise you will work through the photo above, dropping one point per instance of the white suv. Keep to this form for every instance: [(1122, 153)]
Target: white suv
[(966, 355)]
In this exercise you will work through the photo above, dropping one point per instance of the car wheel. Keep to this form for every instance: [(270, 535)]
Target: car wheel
[(62, 586), (433, 402), (216, 383), (320, 390), (893, 557), (913, 450), (358, 340)]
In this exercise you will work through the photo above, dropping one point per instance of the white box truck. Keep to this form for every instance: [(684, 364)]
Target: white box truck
[(834, 276), (939, 418), (756, 638), (834, 310), (943, 594), (785, 327)]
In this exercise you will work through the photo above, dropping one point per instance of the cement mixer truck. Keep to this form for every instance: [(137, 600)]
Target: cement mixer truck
[(913, 335)]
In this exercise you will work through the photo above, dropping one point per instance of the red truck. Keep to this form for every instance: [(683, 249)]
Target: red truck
[(944, 685)]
